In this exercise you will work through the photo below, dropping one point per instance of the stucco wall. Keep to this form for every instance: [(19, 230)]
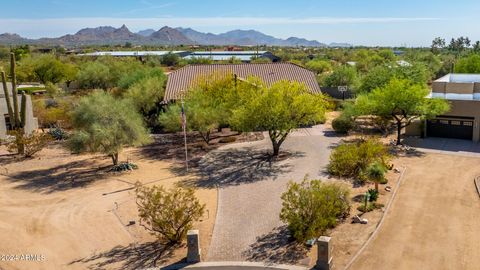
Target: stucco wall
[(469, 108)]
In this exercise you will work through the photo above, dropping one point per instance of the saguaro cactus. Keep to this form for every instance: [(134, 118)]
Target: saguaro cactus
[(17, 117)]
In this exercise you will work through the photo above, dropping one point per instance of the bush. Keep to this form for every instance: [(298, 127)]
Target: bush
[(168, 214), (32, 143), (342, 124), (58, 134), (370, 207), (373, 195), (312, 207), (352, 159), (124, 166)]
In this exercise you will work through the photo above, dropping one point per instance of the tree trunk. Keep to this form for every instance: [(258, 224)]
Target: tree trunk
[(399, 131), (114, 159), (276, 148), (376, 186)]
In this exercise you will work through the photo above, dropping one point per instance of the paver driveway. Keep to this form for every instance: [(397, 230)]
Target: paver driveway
[(250, 189)]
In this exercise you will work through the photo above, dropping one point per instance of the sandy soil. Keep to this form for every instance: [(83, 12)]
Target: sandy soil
[(434, 221), (73, 214)]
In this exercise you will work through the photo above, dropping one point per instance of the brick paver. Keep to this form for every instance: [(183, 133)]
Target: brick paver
[(249, 210)]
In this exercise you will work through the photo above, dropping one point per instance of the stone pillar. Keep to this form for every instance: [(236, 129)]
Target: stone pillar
[(324, 253), (193, 246)]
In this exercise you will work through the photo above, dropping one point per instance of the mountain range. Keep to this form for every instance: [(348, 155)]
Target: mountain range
[(108, 35)]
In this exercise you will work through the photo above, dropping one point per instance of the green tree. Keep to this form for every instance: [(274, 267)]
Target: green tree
[(168, 214), (278, 109), (95, 75), (47, 68), (105, 124), (310, 208), (342, 76), (400, 101), (147, 96), (469, 64), (170, 59), (319, 66)]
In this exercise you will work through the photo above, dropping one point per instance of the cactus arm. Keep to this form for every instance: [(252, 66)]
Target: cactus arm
[(23, 110), (7, 99), (14, 89)]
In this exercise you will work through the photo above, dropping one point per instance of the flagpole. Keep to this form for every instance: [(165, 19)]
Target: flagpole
[(184, 126)]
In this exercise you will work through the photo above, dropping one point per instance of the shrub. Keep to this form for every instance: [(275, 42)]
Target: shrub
[(312, 207), (124, 166), (352, 159), (32, 143), (370, 207), (342, 124), (168, 214), (58, 134), (373, 195)]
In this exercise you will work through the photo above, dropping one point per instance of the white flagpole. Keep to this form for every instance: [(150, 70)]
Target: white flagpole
[(184, 126)]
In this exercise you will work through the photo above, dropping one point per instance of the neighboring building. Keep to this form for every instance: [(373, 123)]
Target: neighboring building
[(31, 122), (462, 121), (135, 53), (182, 79), (244, 56)]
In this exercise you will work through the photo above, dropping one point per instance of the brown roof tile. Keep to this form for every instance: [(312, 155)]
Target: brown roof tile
[(182, 79)]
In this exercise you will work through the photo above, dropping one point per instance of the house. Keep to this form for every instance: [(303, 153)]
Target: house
[(244, 56), (462, 121), (31, 123), (183, 79)]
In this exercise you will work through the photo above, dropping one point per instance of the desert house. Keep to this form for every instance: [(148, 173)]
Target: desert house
[(462, 121), (31, 123), (184, 78)]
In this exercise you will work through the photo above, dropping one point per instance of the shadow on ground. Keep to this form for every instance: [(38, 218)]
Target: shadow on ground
[(239, 166), (129, 257), (75, 174), (276, 247)]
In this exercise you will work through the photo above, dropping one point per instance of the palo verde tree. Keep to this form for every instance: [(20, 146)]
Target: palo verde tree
[(17, 116), (207, 106), (105, 124), (402, 102), (278, 109)]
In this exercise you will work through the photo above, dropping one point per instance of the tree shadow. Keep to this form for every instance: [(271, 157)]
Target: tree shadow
[(130, 257), (76, 174), (277, 247), (239, 166)]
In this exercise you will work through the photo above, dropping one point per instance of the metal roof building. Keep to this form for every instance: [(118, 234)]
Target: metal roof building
[(133, 53), (244, 56), (183, 79)]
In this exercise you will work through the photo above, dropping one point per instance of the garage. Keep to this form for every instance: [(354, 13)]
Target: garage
[(451, 127)]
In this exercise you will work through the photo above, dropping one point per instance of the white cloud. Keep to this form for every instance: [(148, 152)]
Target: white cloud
[(58, 26)]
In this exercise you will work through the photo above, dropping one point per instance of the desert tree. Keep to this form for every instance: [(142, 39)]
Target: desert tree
[(277, 109), (402, 102), (105, 124)]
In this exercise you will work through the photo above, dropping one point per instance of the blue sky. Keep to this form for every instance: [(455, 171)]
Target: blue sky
[(360, 22)]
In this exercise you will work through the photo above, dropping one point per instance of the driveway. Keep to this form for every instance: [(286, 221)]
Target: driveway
[(247, 224), (435, 219)]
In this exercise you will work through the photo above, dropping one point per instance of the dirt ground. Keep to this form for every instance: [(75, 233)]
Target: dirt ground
[(73, 214), (434, 220)]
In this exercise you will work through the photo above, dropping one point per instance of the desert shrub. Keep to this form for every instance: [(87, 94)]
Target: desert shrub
[(311, 207), (32, 143), (58, 134), (168, 214), (124, 166), (373, 195), (342, 124), (370, 207), (352, 159), (227, 140)]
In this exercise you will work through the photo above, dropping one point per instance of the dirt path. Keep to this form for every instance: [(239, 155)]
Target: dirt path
[(435, 219)]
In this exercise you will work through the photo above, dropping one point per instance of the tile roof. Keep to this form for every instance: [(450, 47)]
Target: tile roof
[(182, 79)]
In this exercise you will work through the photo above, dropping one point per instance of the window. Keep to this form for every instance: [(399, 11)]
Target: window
[(468, 124), (445, 122), (455, 123)]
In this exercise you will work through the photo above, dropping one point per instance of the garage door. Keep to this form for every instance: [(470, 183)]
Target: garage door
[(456, 128)]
